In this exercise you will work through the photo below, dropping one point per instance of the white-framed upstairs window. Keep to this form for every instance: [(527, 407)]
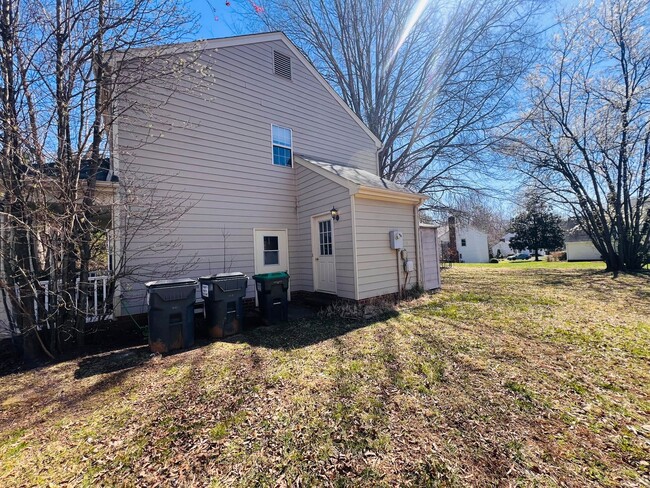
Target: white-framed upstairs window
[(282, 146)]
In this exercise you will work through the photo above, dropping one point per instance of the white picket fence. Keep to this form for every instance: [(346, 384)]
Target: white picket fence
[(97, 307)]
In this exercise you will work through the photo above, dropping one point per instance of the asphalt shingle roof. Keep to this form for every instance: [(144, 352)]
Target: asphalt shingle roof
[(358, 176)]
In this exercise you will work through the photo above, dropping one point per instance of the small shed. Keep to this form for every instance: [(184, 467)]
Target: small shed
[(430, 256)]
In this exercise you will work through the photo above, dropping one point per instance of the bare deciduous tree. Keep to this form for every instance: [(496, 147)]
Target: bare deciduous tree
[(585, 138), (431, 79), (485, 214), (60, 60)]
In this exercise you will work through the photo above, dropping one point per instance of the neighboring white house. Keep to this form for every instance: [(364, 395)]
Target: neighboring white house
[(470, 243), (504, 246), (264, 150), (582, 251), (578, 244)]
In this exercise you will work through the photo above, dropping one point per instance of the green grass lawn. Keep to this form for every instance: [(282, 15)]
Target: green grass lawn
[(526, 374), (542, 263)]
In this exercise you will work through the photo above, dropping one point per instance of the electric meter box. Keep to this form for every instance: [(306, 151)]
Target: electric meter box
[(396, 239)]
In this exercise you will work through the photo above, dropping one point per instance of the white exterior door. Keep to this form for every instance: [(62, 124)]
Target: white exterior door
[(322, 238), (271, 252)]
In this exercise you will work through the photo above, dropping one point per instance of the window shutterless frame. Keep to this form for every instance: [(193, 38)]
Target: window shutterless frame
[(281, 145)]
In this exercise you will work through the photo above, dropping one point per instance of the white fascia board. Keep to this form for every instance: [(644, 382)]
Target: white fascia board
[(391, 195)]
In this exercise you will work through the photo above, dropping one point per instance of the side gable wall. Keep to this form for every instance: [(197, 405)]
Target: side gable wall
[(209, 136)]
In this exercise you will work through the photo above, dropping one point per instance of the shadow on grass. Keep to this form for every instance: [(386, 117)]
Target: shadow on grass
[(303, 333), (105, 338), (597, 279), (112, 362), (560, 277)]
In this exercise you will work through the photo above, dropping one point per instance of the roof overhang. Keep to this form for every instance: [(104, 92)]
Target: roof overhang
[(362, 191)]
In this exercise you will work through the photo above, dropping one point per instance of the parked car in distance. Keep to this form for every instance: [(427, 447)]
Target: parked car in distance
[(519, 256)]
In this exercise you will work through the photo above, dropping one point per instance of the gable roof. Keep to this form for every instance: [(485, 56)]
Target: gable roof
[(573, 232), (359, 181), (223, 42)]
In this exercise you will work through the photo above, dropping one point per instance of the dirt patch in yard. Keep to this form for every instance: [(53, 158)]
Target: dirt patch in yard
[(515, 375)]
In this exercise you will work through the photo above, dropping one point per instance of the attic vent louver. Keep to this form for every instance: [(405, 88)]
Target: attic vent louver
[(282, 65)]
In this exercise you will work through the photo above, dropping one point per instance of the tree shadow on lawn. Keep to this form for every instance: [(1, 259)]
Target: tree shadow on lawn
[(304, 333), (107, 337), (112, 362), (599, 280)]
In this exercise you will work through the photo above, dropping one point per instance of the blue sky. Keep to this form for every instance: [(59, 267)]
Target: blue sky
[(218, 20)]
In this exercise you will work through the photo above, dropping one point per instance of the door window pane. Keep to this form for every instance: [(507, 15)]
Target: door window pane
[(271, 250), (325, 237)]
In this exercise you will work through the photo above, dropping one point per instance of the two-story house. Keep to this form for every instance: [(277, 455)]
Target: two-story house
[(463, 243), (276, 173)]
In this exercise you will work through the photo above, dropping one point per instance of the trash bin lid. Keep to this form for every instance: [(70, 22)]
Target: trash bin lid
[(236, 274), (171, 283), (271, 276), (223, 276), (217, 276)]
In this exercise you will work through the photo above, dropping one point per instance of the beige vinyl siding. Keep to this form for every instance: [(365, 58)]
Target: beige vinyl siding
[(207, 140), (317, 195), (377, 262)]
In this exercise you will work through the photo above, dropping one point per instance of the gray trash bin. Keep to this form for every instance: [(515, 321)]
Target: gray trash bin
[(171, 314), (272, 296), (223, 298)]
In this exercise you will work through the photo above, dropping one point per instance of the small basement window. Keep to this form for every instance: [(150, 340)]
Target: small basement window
[(282, 65), (463, 242), (282, 146)]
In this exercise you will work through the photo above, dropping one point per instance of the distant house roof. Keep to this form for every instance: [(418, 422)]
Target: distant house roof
[(355, 177), (53, 170), (573, 232)]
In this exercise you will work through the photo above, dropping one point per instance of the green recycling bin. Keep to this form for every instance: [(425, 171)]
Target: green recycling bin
[(171, 314), (272, 296), (223, 299)]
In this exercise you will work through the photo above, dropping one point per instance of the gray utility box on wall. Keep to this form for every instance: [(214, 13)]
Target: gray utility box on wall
[(223, 298), (171, 314)]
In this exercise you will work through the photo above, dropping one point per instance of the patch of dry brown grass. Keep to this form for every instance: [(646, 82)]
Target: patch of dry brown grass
[(509, 376)]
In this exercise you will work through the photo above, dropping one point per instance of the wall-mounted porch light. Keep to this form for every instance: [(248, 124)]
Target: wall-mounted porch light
[(334, 213)]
